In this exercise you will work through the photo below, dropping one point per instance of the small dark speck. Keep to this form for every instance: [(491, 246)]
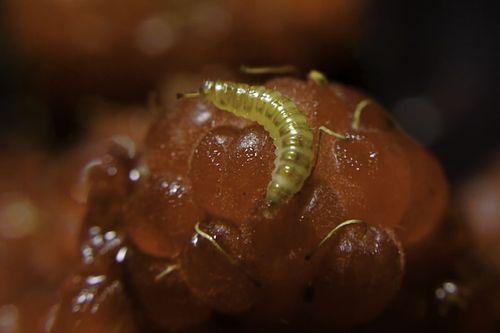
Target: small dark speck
[(309, 294)]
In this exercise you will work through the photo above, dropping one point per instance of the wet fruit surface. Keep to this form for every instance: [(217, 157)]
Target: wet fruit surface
[(93, 303), (43, 199), (164, 299), (215, 275), (186, 215), (225, 157), (363, 266)]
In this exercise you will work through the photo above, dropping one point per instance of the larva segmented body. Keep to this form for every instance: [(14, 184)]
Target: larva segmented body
[(286, 125)]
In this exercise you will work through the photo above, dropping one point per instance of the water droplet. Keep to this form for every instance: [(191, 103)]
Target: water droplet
[(110, 235), (121, 255), (134, 175), (95, 279), (450, 287), (112, 171), (220, 139), (440, 293), (202, 115), (174, 187)]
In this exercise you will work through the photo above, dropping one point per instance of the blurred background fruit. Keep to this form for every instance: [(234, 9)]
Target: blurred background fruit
[(74, 73)]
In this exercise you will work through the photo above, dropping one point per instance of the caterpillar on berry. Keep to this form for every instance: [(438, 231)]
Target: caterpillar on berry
[(284, 122)]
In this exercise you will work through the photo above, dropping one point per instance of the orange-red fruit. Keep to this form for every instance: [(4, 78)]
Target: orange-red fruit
[(162, 206), (205, 166), (93, 303), (219, 278), (230, 170), (109, 179), (360, 273), (163, 299)]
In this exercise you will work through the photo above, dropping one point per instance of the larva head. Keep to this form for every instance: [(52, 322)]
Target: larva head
[(206, 88)]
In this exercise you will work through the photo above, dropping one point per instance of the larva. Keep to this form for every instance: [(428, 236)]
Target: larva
[(284, 122)]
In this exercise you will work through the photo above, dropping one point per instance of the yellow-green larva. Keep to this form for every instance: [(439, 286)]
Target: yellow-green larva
[(284, 122)]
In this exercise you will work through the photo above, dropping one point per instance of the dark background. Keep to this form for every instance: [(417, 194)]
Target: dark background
[(434, 64)]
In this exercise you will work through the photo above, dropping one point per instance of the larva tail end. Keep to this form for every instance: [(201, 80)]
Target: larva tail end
[(269, 214), (270, 210)]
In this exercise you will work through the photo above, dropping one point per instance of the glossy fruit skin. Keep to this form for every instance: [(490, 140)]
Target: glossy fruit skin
[(194, 204), (380, 176)]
